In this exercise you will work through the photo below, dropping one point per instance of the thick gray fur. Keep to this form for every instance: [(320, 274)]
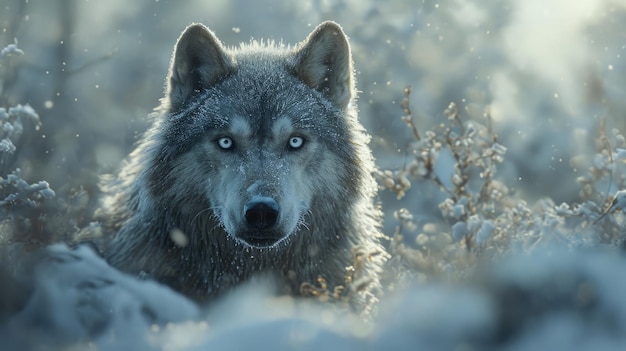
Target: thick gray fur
[(175, 211)]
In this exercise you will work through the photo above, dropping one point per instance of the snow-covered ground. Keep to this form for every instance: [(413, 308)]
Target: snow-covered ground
[(550, 300)]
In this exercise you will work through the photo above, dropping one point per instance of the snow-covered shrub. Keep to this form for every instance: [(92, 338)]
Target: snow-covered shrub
[(480, 216), (17, 196)]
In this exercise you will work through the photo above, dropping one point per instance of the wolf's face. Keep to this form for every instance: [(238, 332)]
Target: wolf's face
[(258, 133), (259, 189)]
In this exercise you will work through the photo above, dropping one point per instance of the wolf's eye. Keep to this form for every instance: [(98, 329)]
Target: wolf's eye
[(296, 142), (225, 143)]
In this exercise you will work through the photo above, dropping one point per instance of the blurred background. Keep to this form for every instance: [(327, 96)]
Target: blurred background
[(549, 73)]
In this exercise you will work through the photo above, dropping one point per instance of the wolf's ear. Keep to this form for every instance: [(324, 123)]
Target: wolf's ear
[(199, 61), (324, 62)]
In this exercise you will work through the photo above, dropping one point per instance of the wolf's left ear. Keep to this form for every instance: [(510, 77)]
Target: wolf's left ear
[(324, 62), (199, 61)]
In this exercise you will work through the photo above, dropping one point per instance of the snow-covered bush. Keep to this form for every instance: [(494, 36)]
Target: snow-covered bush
[(480, 217), (17, 196)]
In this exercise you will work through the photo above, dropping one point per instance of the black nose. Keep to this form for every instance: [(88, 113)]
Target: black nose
[(262, 213)]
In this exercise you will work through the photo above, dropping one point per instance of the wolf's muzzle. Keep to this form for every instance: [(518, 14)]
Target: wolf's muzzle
[(261, 213)]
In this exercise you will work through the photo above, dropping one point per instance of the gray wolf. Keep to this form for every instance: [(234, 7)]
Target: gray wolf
[(255, 165)]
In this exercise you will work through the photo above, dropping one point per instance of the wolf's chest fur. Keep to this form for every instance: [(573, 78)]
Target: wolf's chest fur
[(255, 164)]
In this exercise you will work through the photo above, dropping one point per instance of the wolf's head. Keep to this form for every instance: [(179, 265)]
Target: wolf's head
[(259, 142)]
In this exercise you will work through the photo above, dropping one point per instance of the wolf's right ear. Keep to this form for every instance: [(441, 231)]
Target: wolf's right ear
[(199, 61)]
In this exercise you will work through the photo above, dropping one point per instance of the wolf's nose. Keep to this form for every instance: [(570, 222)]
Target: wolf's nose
[(262, 213)]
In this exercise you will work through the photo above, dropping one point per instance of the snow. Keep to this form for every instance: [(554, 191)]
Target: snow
[(75, 295), (552, 299), (7, 146), (11, 49)]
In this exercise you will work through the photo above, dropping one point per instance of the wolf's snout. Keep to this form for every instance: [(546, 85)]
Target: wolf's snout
[(261, 214)]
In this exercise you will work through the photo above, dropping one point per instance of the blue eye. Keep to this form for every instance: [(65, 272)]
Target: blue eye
[(225, 143), (296, 142)]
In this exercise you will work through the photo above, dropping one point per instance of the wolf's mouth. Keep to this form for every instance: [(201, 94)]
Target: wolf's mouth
[(261, 239)]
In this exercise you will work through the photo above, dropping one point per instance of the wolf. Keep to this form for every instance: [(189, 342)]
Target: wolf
[(255, 165)]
